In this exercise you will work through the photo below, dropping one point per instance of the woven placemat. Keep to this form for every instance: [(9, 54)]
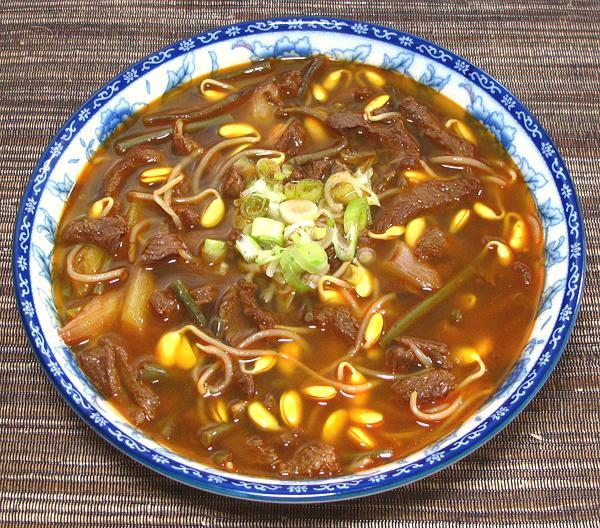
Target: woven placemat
[(542, 469)]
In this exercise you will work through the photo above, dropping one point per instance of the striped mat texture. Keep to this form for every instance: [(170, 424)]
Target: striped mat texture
[(543, 469)]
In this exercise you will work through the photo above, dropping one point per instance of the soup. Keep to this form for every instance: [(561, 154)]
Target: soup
[(298, 268)]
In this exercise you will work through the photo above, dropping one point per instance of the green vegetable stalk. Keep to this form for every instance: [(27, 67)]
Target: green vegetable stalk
[(183, 294)]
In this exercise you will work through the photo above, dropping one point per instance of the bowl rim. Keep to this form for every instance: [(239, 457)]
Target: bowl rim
[(335, 26)]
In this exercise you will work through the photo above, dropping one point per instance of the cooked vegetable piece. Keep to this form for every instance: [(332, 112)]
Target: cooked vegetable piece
[(267, 232), (135, 307), (95, 318), (183, 294), (214, 251)]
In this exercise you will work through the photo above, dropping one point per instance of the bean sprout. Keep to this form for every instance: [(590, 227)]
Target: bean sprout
[(434, 416), (212, 151), (116, 274)]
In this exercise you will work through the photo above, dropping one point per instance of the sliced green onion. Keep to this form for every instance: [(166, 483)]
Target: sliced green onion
[(267, 232), (254, 205), (319, 233), (345, 246), (307, 189), (357, 214), (311, 257), (292, 272), (266, 167), (284, 172), (273, 193), (298, 210), (344, 193), (182, 293), (213, 251), (247, 247), (266, 256)]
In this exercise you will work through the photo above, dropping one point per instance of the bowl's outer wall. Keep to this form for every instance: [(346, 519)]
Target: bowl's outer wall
[(488, 100)]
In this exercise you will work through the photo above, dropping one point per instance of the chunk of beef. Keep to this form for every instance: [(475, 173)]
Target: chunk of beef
[(433, 129), (401, 358), (247, 295), (364, 93), (162, 246), (317, 170), (100, 366), (427, 197), (164, 304), (233, 236), (233, 184), (392, 135), (292, 139), (290, 438), (183, 144), (389, 178), (346, 121), (524, 273), (432, 244), (265, 453), (430, 386), (245, 384), (142, 396), (134, 159), (182, 188), (288, 83), (106, 232), (237, 326), (242, 314), (206, 294), (340, 320), (334, 262), (238, 409), (108, 368), (189, 216), (395, 136), (415, 274), (269, 401), (313, 459)]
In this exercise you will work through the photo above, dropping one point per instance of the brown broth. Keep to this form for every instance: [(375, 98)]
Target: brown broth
[(502, 317)]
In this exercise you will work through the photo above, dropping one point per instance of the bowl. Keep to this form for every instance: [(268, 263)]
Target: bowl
[(484, 97)]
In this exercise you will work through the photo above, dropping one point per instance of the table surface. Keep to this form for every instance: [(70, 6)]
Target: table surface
[(543, 468)]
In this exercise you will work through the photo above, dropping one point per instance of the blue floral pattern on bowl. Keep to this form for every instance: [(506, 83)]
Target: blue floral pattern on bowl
[(499, 110)]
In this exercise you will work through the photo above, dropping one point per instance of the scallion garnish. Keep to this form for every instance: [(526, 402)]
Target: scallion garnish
[(267, 232), (357, 214), (254, 205), (307, 189)]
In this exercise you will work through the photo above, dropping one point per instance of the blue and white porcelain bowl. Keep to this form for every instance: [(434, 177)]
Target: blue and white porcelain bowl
[(482, 96)]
